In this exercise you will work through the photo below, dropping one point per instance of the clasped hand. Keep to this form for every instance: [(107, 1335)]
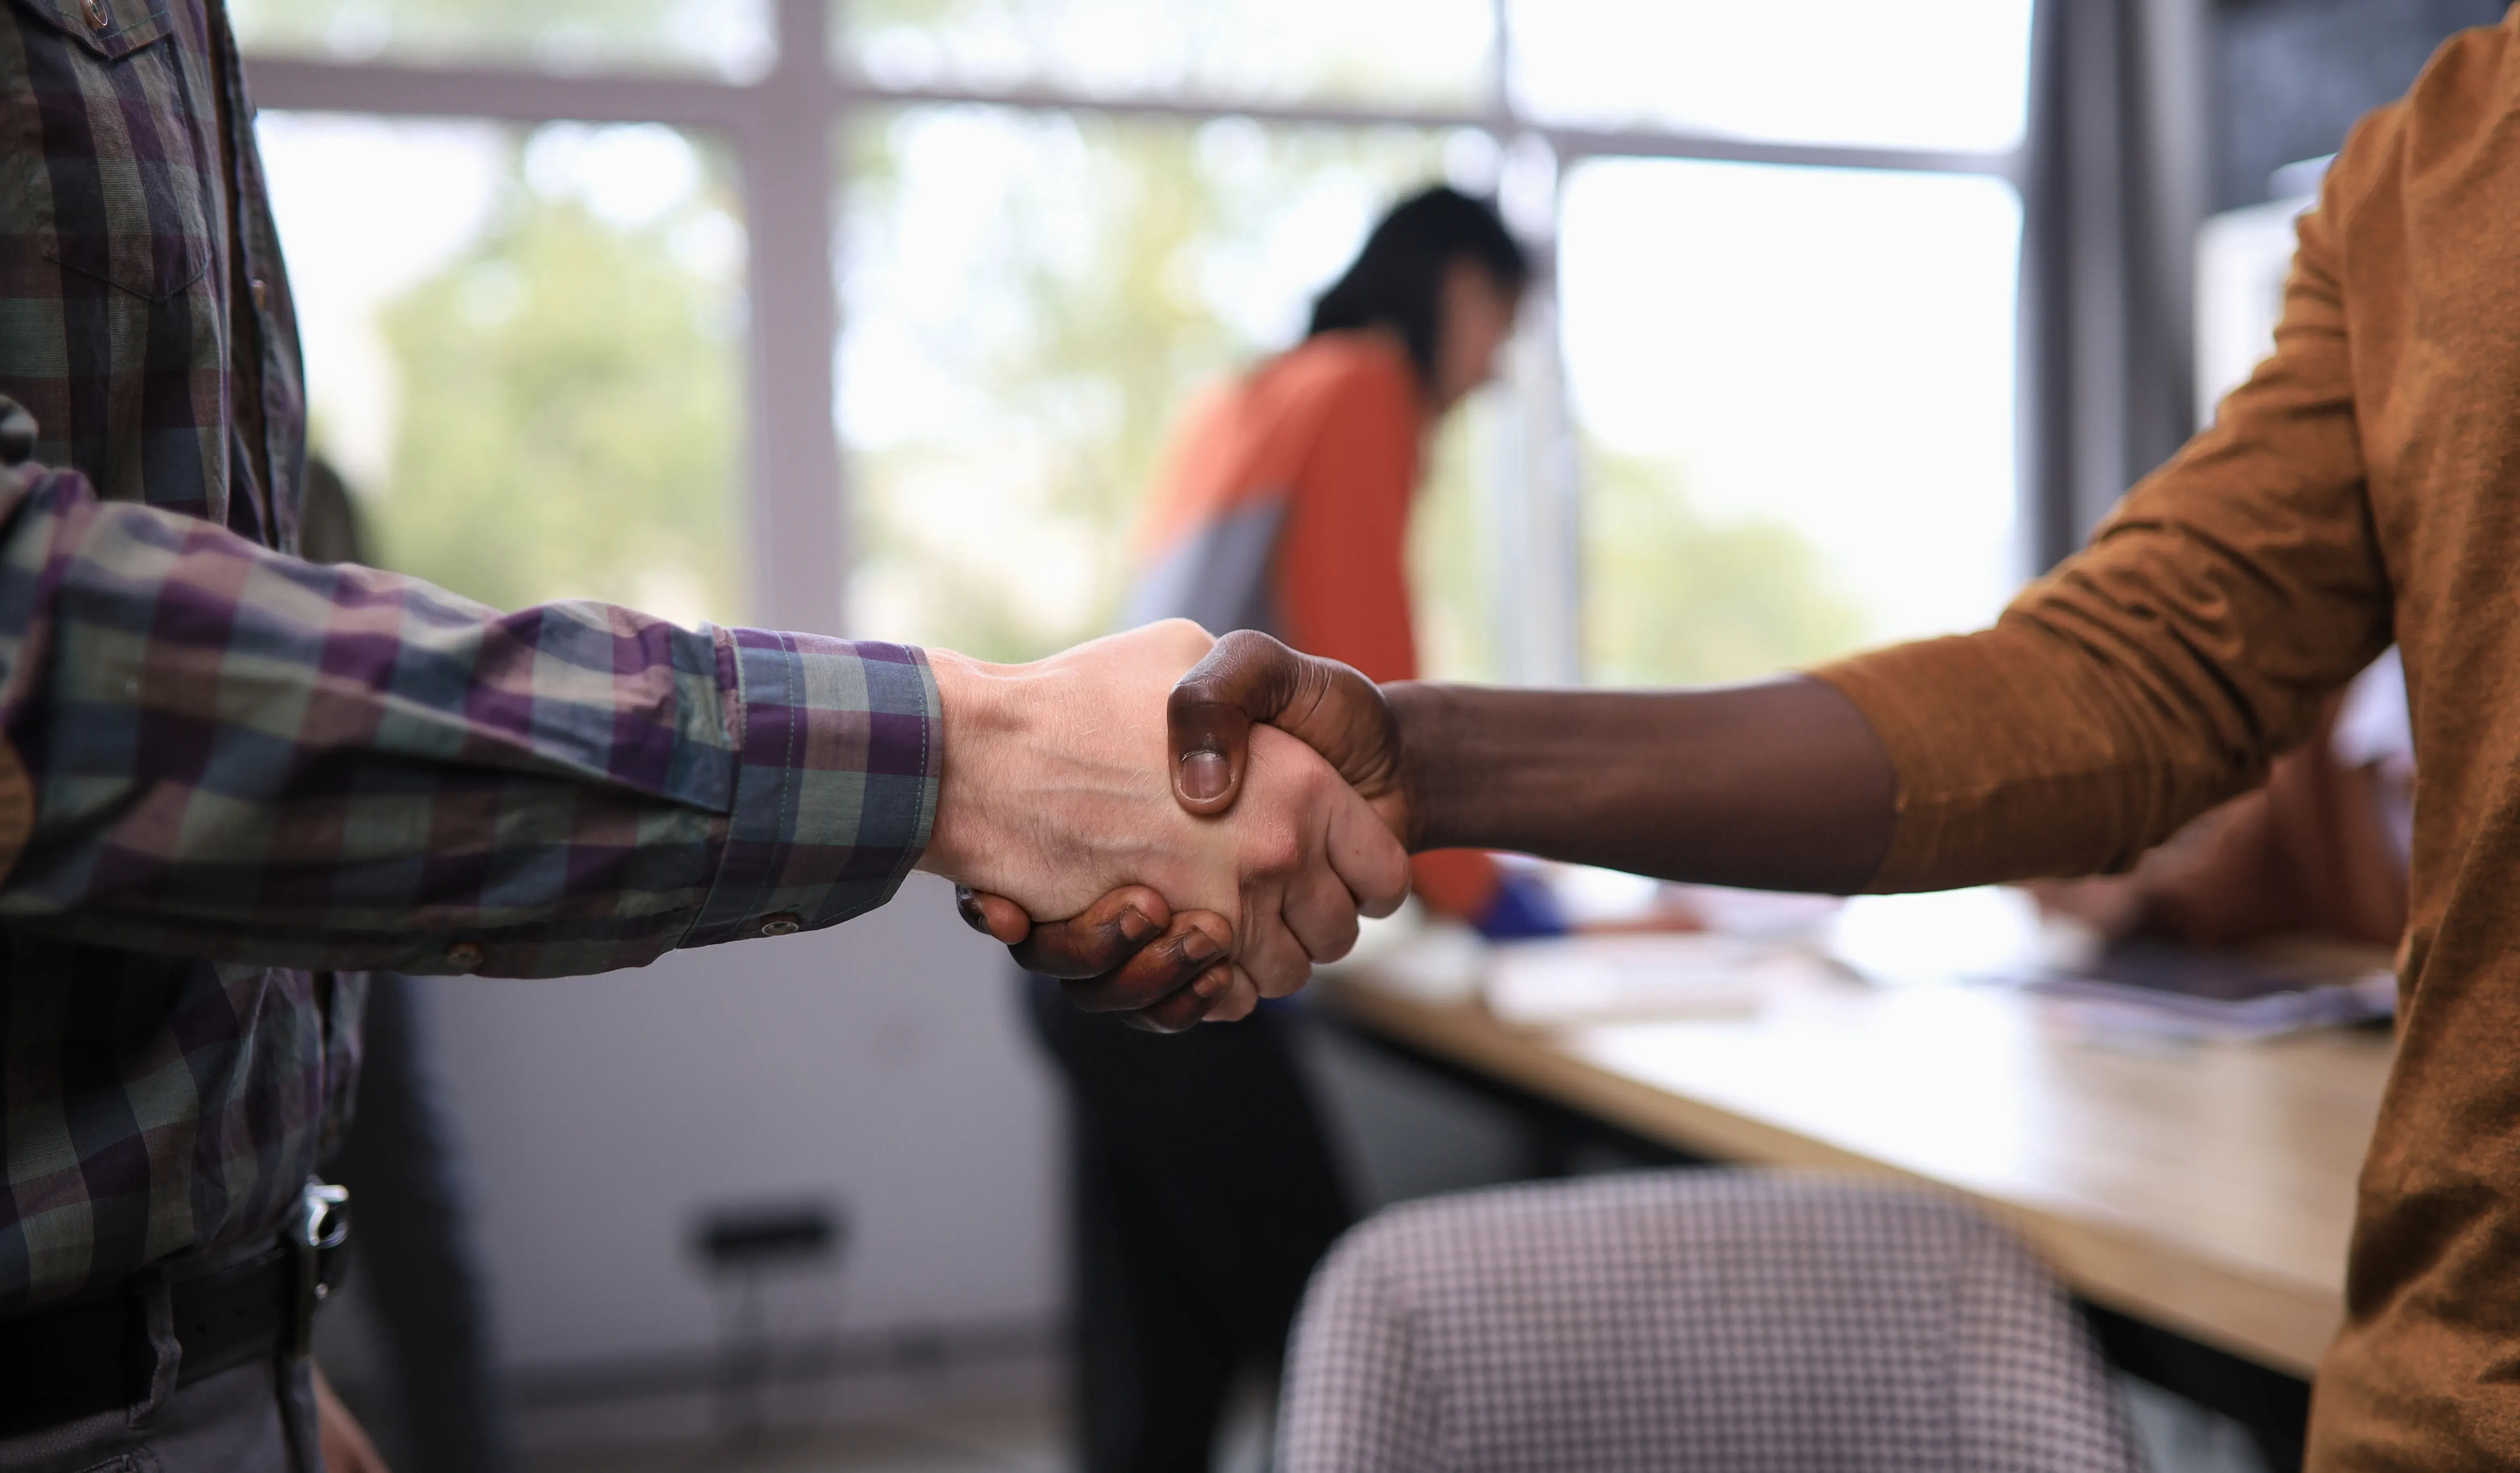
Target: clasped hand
[(1186, 864)]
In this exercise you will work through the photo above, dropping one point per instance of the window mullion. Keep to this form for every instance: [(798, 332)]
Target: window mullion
[(510, 93), (800, 535)]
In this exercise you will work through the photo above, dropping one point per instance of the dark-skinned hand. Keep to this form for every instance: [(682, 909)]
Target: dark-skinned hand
[(1128, 954), (1250, 679)]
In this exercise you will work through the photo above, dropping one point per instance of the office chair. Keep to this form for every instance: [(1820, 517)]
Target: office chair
[(1723, 1321)]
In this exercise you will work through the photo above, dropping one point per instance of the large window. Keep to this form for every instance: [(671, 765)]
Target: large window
[(1795, 391), (529, 331), (874, 315)]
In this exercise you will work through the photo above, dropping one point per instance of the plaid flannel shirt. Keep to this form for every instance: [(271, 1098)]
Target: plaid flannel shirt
[(228, 777)]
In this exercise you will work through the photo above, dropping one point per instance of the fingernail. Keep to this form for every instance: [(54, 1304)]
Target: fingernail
[(1136, 926), (1212, 982), (1199, 945), (1204, 775), (969, 906)]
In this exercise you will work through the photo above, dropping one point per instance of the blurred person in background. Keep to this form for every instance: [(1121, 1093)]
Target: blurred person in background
[(1204, 1184)]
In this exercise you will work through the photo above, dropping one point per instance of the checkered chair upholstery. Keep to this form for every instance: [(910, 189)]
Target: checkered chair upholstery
[(1716, 1321)]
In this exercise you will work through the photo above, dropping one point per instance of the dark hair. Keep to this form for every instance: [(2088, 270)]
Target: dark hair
[(1397, 281)]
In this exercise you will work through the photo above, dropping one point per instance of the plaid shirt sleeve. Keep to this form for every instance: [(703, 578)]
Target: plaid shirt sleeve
[(238, 755)]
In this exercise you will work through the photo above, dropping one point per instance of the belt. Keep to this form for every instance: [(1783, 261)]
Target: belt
[(59, 1365)]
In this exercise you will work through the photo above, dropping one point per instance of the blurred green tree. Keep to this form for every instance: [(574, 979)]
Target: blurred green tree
[(1676, 597), (569, 424), (1101, 264)]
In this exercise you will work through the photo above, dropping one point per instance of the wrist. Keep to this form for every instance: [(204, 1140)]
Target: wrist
[(1425, 742), (978, 720)]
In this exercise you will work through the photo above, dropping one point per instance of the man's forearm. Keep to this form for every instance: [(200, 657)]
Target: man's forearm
[(233, 754), (1776, 786)]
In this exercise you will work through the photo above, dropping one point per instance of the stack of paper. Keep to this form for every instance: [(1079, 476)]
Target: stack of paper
[(1581, 979)]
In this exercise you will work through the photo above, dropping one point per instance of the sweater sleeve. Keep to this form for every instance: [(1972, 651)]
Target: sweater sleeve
[(2161, 670)]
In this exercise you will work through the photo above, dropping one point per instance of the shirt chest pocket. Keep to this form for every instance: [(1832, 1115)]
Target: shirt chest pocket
[(116, 156)]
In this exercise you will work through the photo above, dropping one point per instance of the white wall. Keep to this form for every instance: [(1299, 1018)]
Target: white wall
[(883, 1063)]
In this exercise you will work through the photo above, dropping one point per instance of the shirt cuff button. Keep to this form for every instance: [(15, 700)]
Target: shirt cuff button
[(785, 923), (464, 956)]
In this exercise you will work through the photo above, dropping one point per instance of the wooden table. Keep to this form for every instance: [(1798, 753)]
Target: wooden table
[(2204, 1188)]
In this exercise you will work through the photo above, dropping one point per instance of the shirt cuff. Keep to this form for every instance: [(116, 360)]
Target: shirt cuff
[(836, 767)]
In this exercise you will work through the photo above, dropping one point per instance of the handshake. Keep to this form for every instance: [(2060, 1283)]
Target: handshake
[(1126, 817), (1180, 826)]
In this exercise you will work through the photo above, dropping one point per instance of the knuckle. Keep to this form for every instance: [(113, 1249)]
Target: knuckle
[(1183, 635), (1284, 855), (1342, 937)]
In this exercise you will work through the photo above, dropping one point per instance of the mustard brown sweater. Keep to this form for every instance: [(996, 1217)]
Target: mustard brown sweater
[(2364, 484)]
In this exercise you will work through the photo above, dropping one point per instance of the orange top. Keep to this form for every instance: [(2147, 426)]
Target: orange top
[(2364, 483), (1319, 452)]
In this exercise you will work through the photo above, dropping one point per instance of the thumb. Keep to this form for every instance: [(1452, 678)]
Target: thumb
[(993, 915), (1250, 676), (1246, 677)]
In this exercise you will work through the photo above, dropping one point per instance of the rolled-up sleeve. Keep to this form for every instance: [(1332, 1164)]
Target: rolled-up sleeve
[(2159, 671), (234, 754)]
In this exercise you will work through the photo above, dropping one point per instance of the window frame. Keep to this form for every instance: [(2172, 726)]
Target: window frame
[(780, 128)]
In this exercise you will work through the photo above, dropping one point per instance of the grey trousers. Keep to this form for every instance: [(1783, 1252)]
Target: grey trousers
[(257, 1419)]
